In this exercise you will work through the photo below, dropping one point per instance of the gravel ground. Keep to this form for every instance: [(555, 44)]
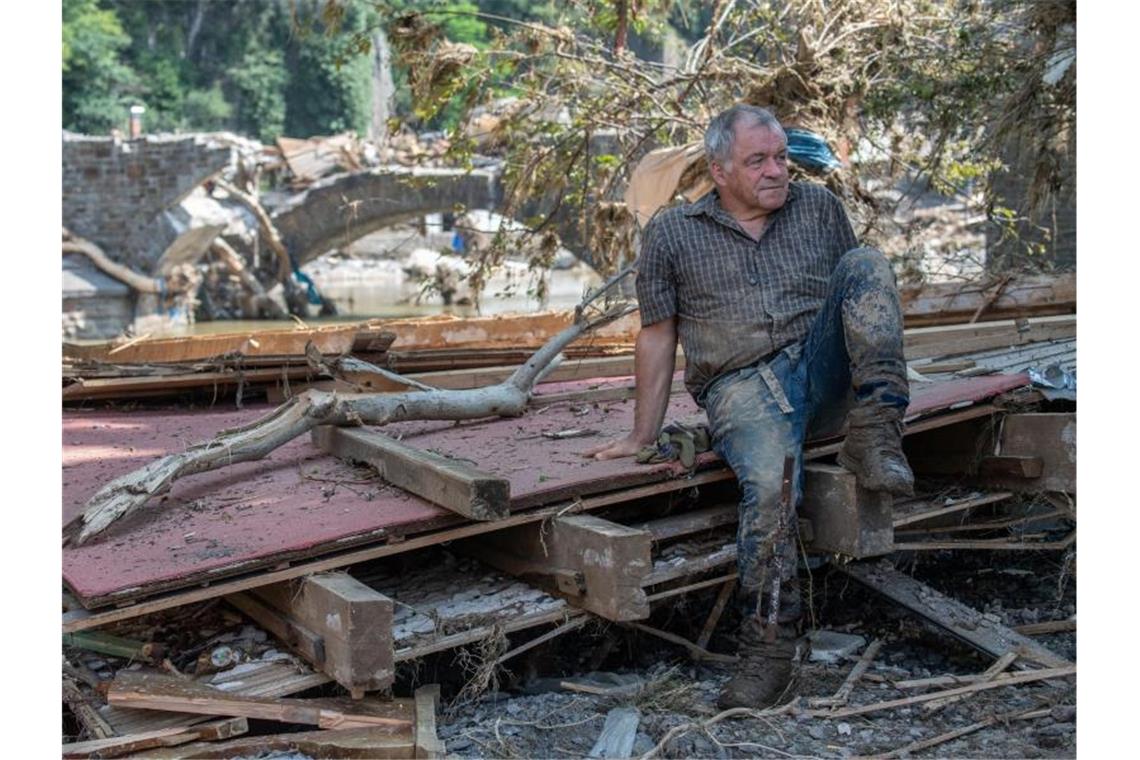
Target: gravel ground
[(533, 716)]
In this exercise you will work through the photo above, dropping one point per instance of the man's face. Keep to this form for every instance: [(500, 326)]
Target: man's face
[(756, 176)]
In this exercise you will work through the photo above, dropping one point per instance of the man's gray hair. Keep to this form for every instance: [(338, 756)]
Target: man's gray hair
[(720, 134)]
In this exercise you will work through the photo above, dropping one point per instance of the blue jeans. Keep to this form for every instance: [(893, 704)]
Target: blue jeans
[(851, 358)]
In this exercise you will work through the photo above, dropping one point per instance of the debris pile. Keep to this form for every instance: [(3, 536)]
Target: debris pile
[(336, 588)]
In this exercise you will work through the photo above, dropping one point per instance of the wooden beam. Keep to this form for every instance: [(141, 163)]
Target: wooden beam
[(374, 743), (428, 744), (611, 559), (695, 521), (1011, 467), (163, 737), (150, 691), (352, 621), (1049, 437), (959, 620), (449, 483), (926, 342), (1003, 298), (845, 518), (922, 515)]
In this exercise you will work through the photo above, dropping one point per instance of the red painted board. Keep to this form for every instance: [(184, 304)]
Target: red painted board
[(229, 520), (256, 514)]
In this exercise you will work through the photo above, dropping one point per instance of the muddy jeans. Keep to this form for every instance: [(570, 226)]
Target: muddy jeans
[(852, 357)]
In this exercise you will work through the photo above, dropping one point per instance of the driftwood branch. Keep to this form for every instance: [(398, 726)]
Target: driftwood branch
[(265, 224), (305, 411), (137, 282)]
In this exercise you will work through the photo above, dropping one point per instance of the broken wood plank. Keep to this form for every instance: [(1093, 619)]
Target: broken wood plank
[(698, 653), (157, 692), (428, 744), (1012, 298), (992, 672), (845, 517), (618, 734), (352, 621), (93, 723), (996, 544), (164, 737), (714, 614), (261, 679), (934, 741), (611, 559), (926, 342), (570, 625), (1020, 678), (372, 743), (1049, 626), (843, 693), (962, 622), (1008, 466), (674, 526), (449, 483), (949, 509), (567, 581), (670, 593)]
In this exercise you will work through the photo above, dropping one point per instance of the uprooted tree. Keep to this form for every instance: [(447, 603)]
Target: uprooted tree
[(303, 412), (934, 90)]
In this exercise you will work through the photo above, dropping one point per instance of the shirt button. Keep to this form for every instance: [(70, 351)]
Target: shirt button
[(751, 280)]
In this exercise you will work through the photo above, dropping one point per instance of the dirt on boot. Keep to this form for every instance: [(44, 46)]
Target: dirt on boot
[(874, 453), (764, 674)]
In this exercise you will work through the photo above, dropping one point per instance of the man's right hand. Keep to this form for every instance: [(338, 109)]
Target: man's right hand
[(622, 447)]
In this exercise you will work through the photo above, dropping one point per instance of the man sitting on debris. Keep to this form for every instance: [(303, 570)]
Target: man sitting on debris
[(787, 327)]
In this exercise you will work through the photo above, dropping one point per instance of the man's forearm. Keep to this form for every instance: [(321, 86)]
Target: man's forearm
[(654, 359)]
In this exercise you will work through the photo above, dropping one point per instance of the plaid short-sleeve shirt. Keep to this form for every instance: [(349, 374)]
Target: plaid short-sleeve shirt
[(738, 300)]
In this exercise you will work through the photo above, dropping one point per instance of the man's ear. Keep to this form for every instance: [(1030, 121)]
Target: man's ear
[(717, 172)]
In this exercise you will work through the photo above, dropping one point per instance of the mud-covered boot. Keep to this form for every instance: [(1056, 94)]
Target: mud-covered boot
[(764, 673), (873, 451)]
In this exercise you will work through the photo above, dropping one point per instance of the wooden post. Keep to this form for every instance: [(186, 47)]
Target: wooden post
[(604, 561), (428, 744), (845, 518), (352, 621), (454, 485)]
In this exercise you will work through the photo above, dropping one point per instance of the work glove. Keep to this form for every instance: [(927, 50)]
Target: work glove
[(677, 442)]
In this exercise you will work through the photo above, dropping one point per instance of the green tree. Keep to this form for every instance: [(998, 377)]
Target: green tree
[(97, 85), (330, 87), (260, 81)]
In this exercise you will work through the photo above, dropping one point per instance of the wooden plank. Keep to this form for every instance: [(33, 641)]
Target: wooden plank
[(93, 723), (449, 483), (151, 691), (119, 387), (845, 518), (685, 523), (374, 743), (164, 737), (1050, 437), (331, 340), (309, 645), (926, 342), (948, 509), (80, 620), (1020, 296), (961, 621), (352, 621), (428, 744), (262, 679), (611, 559)]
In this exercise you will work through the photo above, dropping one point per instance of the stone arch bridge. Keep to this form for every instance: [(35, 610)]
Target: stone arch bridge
[(337, 210)]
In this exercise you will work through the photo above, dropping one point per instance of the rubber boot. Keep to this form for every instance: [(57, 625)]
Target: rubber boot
[(873, 450), (764, 674)]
